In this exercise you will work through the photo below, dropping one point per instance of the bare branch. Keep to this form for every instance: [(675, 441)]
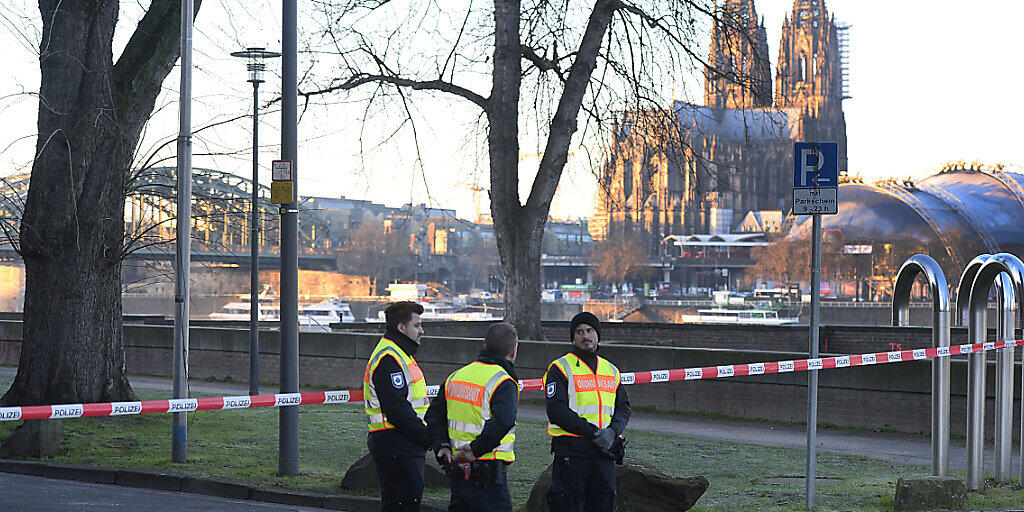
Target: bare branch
[(542, 63), (416, 85)]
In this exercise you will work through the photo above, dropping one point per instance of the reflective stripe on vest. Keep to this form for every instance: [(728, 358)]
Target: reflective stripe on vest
[(417, 395), (591, 395), (468, 393)]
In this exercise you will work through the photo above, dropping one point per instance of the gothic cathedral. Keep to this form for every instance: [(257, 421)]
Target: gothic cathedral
[(701, 169)]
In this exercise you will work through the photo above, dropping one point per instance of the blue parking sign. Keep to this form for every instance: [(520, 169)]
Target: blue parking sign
[(815, 164)]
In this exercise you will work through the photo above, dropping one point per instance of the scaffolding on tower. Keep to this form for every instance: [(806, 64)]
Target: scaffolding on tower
[(843, 34)]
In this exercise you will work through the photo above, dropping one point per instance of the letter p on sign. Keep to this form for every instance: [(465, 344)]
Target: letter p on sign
[(815, 164), (811, 161)]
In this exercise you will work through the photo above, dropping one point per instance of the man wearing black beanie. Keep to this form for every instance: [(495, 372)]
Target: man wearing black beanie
[(581, 388), (584, 317)]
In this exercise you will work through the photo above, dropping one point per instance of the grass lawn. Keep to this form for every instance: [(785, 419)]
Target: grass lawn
[(242, 444)]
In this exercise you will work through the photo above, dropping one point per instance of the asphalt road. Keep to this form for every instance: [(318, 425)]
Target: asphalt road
[(37, 494)]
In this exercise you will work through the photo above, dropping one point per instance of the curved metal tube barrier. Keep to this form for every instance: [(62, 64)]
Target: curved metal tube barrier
[(1004, 365), (963, 288), (1005, 323), (1012, 293), (922, 264)]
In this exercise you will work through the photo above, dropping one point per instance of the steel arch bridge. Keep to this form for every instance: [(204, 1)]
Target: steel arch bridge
[(220, 218)]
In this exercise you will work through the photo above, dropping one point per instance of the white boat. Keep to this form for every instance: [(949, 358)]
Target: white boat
[(436, 311), (440, 311), (270, 310), (320, 316), (738, 316)]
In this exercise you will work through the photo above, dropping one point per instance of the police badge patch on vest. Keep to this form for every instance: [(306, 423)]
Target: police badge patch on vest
[(550, 389), (398, 380)]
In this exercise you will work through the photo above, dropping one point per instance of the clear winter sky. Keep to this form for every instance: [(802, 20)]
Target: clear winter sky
[(932, 81)]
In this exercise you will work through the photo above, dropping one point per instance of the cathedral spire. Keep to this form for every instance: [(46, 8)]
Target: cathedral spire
[(809, 77), (738, 73), (808, 66)]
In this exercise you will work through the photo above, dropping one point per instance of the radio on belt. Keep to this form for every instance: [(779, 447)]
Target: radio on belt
[(282, 185)]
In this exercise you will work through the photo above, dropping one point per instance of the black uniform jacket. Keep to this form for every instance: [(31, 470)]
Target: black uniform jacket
[(560, 414), (504, 407), (409, 437)]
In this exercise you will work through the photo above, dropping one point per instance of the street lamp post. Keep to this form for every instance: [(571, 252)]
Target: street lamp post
[(255, 66)]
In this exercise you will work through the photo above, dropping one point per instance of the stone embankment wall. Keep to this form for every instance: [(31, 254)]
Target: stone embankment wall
[(840, 339), (889, 396)]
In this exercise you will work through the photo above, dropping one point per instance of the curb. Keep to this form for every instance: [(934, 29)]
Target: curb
[(221, 487)]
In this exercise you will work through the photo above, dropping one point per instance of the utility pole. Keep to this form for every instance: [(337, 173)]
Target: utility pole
[(183, 228), (288, 424)]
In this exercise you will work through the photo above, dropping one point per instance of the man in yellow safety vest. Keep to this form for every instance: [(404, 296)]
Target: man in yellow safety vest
[(472, 425), (587, 411), (395, 400)]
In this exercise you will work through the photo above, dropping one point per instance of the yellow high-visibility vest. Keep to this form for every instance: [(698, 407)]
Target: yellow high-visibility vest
[(591, 395), (468, 394), (417, 395)]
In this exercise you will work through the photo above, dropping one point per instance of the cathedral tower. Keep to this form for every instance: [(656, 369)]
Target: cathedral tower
[(741, 77), (808, 73)]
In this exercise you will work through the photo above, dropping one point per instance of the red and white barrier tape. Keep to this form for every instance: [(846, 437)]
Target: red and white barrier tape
[(38, 412)]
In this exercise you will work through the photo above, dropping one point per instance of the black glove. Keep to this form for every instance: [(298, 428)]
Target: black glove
[(604, 438), (618, 450)]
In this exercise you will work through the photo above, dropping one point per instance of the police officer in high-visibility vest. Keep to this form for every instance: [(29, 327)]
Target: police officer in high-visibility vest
[(395, 400), (472, 425), (587, 411)]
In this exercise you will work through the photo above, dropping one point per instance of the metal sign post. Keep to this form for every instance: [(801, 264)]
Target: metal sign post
[(183, 228), (288, 421), (815, 192)]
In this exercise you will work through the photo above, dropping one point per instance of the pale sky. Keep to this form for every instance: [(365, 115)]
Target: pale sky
[(932, 81)]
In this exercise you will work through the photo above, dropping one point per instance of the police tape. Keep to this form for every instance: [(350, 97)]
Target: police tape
[(39, 412)]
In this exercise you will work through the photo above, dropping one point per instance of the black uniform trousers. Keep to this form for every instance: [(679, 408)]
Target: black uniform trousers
[(401, 483), (584, 484), (478, 496)]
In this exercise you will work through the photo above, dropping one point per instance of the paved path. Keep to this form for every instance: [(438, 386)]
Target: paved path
[(888, 446), (38, 494)]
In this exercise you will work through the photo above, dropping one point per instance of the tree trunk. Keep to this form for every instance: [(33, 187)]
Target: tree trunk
[(516, 232), (73, 349), (522, 269), (519, 228), (91, 114)]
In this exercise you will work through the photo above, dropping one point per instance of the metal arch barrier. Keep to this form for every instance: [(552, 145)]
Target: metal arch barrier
[(963, 318), (1011, 294), (923, 264), (1006, 309), (963, 288), (976, 377)]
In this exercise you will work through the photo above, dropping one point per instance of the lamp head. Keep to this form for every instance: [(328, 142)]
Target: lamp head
[(255, 57)]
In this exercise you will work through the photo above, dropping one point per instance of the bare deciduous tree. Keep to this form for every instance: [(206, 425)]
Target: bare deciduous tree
[(91, 113), (549, 66), (617, 256), (784, 260), (374, 249)]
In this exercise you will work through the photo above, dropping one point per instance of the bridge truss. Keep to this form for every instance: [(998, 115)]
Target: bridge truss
[(220, 214)]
